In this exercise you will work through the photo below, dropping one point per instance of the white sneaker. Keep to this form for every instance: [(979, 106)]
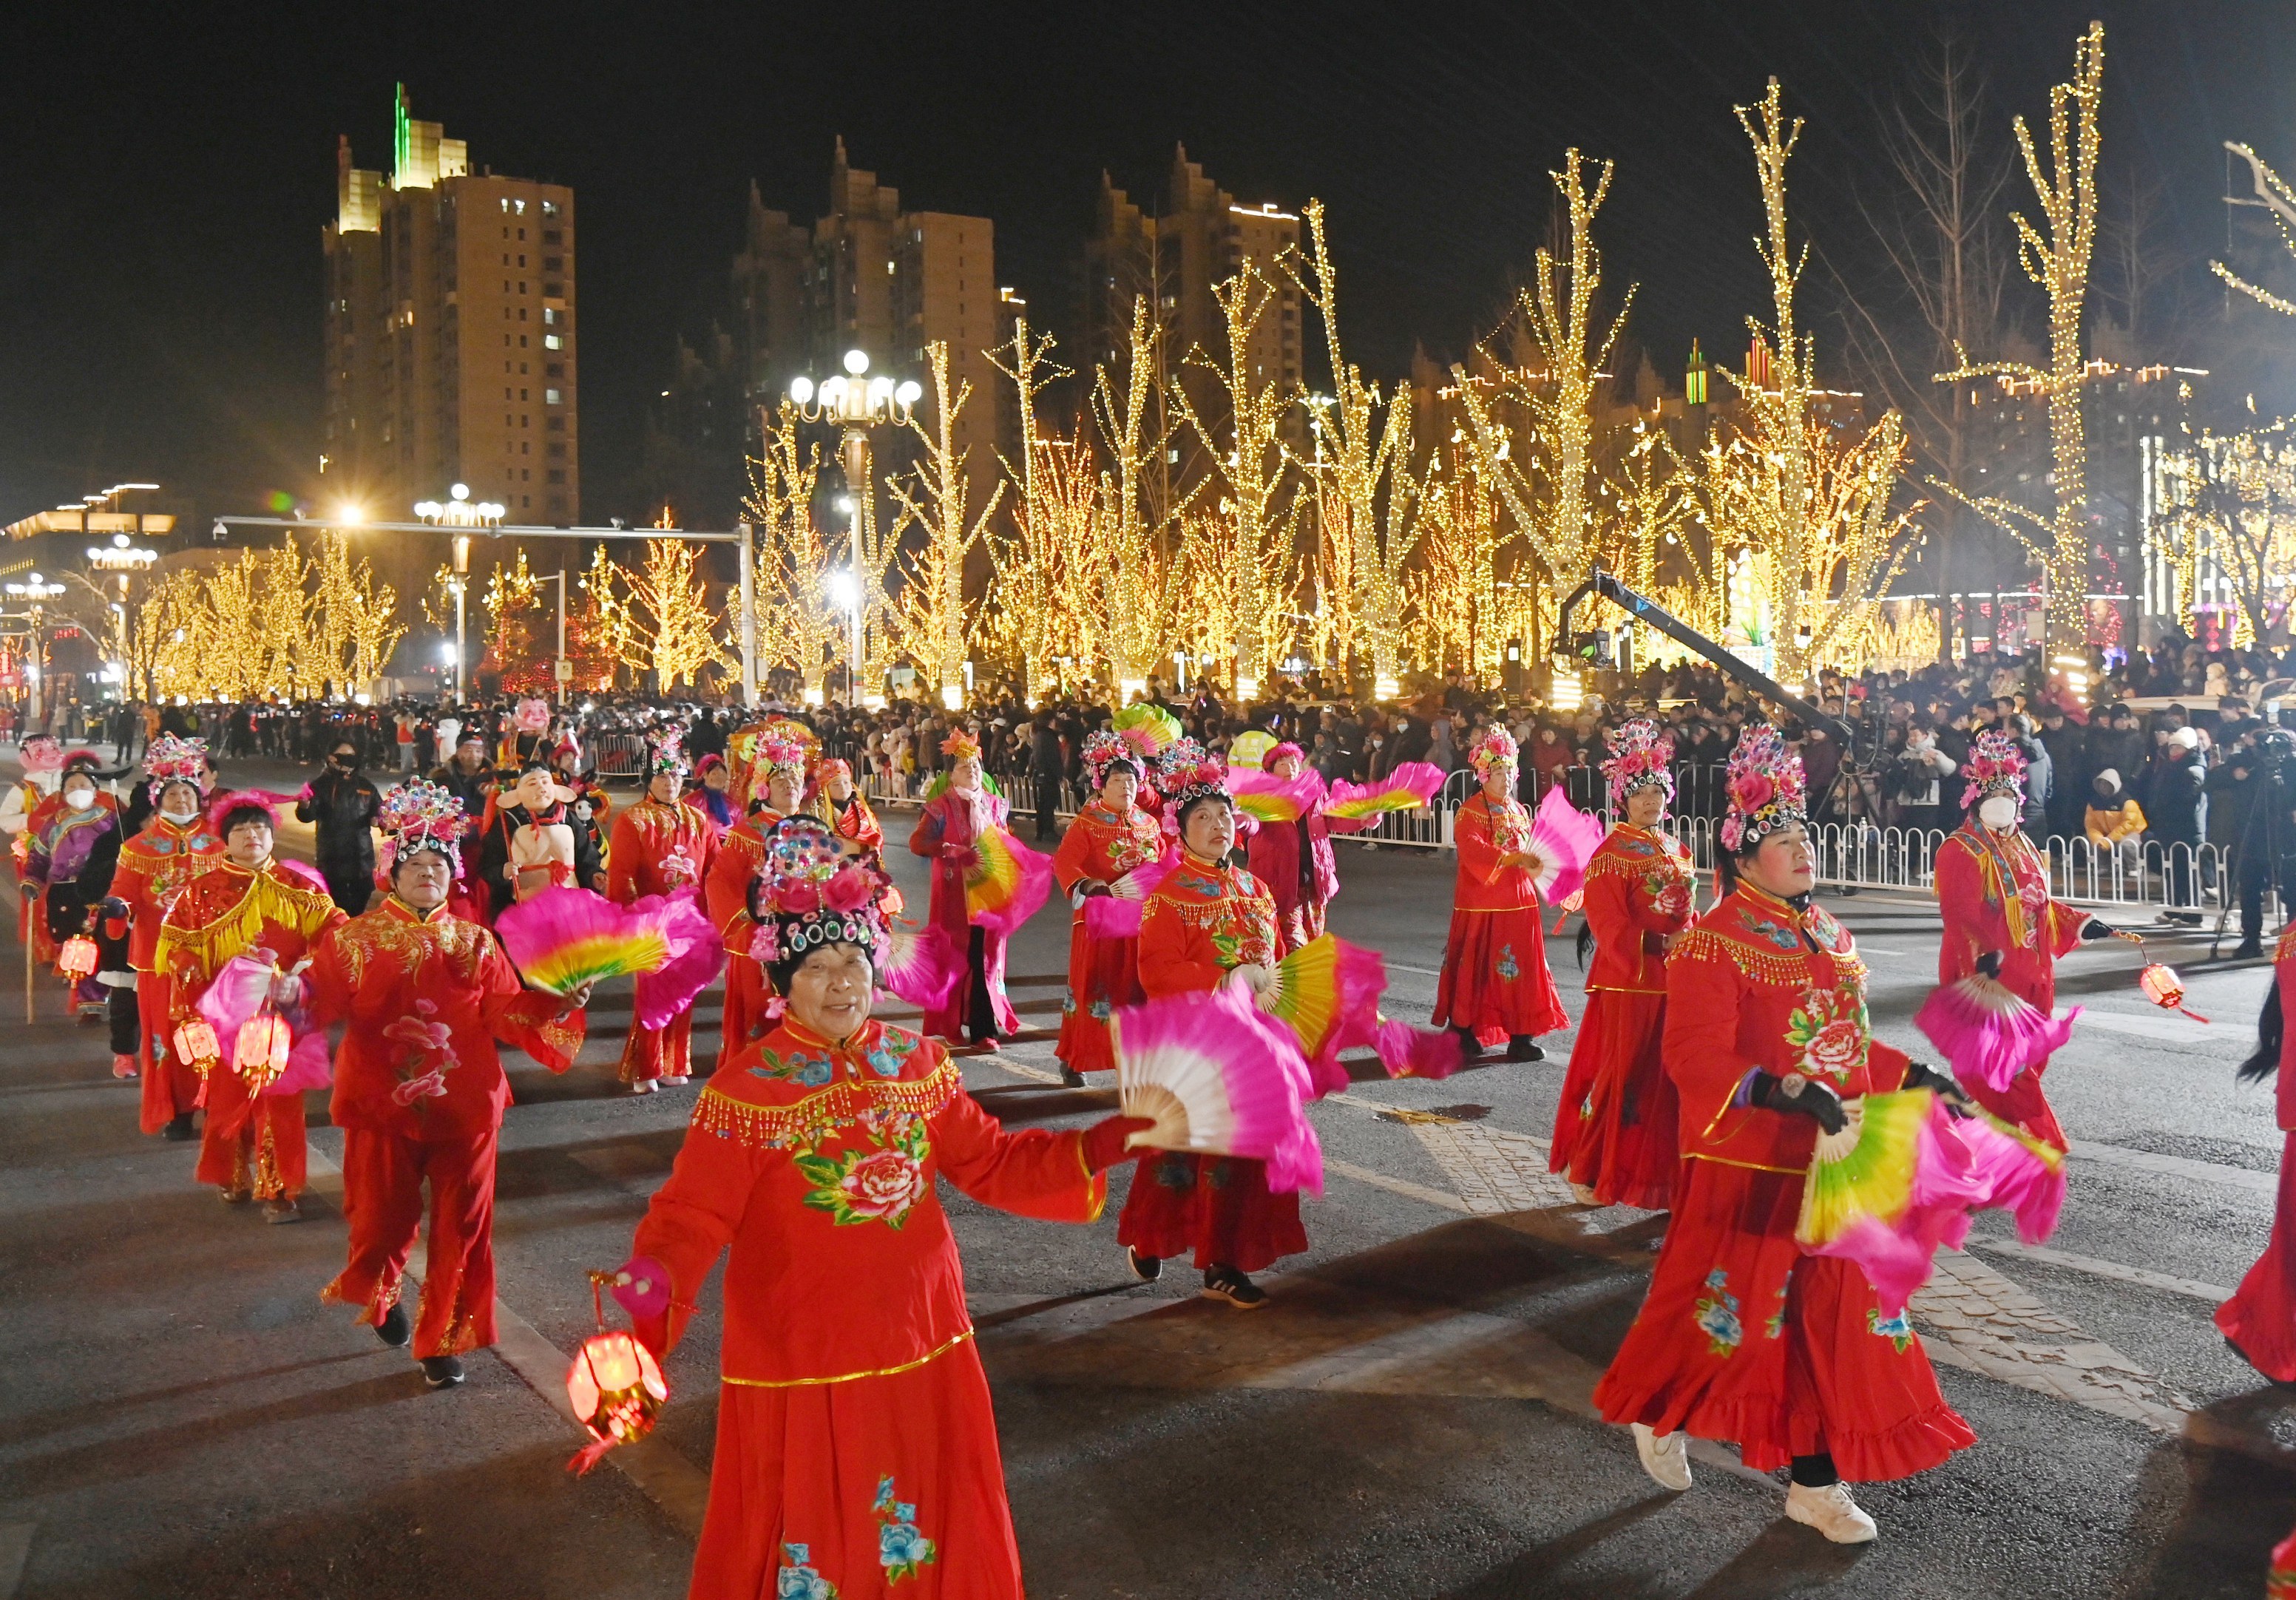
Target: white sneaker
[(1830, 1511), (1666, 1457)]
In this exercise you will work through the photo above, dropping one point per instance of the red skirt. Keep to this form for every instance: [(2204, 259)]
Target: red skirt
[(745, 1016), (1217, 1206), (884, 1486), (1495, 978), (171, 1085), (2260, 1318), (1103, 973), (1615, 1131), (1744, 1338)]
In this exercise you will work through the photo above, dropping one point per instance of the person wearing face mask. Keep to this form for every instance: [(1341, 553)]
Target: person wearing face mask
[(1108, 838), (1742, 1336), (172, 849), (251, 1146), (1993, 894), (959, 809), (73, 850), (725, 888), (343, 802), (662, 845), (419, 1087), (1496, 984)]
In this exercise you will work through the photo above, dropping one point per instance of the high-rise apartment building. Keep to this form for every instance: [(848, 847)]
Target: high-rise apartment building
[(450, 334)]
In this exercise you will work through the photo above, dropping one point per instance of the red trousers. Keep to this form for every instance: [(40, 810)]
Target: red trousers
[(664, 1051), (2260, 1318), (252, 1142), (1217, 1207), (171, 1085), (383, 1174)]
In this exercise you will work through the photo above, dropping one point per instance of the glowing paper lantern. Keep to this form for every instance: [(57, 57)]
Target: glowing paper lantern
[(2165, 989), (77, 959), (195, 1042), (616, 1390), (259, 1053)]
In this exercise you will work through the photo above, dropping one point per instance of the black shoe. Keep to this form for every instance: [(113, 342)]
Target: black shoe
[(441, 1371), (1470, 1047), (1146, 1269), (1225, 1282), (1071, 1078), (1523, 1048), (396, 1328), (2250, 951), (179, 1128)]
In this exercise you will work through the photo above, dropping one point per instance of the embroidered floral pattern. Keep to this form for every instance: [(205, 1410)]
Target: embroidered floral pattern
[(1507, 969), (876, 1182), (423, 1064), (1830, 1031), (1776, 1324), (798, 1580), (1718, 1316), (796, 1067), (901, 1549), (1895, 1329), (890, 1054), (1777, 933)]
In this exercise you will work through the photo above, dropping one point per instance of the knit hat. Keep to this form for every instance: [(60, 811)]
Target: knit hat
[(1767, 789), (1640, 758), (1277, 752)]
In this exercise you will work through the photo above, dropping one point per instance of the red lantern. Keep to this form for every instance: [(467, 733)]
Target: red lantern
[(616, 1390), (2165, 989), (195, 1042), (77, 959), (259, 1053)]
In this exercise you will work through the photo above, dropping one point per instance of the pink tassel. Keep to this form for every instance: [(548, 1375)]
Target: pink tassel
[(1987, 1032), (588, 1457)]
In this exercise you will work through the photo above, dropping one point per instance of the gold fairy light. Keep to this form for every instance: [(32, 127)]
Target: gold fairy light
[(928, 620), (2229, 530), (797, 626)]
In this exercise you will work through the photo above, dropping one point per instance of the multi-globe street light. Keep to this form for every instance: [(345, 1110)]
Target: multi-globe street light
[(459, 512), (857, 403)]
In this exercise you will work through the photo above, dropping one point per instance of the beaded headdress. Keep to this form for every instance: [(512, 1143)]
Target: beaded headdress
[(421, 816), (1996, 765), (1104, 753), (1496, 748), (1640, 758), (666, 750), (809, 892), (1765, 788), (173, 760)]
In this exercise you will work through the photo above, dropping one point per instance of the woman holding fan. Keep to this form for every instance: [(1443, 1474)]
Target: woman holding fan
[(1744, 1337), (779, 765), (1496, 984), (1108, 838), (1614, 1130), (662, 847), (950, 834)]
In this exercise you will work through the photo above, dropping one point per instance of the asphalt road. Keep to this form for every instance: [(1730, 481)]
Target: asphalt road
[(180, 1417)]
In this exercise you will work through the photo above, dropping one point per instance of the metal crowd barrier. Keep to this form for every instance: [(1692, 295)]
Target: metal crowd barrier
[(619, 755)]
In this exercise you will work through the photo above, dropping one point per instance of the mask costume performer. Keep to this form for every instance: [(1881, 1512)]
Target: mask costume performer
[(174, 847), (1993, 894), (856, 1449), (725, 888), (1744, 1337), (961, 810), (1615, 1130), (74, 850), (2260, 1320), (531, 842), (1206, 925), (1293, 860), (425, 996), (1110, 837), (527, 739), (662, 845), (43, 760), (251, 1145), (591, 812), (1496, 984)]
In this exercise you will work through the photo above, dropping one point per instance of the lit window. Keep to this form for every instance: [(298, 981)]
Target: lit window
[(549, 314), (550, 397), (550, 207), (520, 207), (551, 341)]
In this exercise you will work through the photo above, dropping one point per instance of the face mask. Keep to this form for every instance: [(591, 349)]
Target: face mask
[(1997, 811), (179, 816), (80, 799)]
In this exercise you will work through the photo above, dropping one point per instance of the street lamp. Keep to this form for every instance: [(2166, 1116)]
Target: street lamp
[(459, 512), (561, 673), (35, 592), (857, 403)]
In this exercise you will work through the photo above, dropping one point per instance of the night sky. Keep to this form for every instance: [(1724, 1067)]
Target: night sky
[(168, 169)]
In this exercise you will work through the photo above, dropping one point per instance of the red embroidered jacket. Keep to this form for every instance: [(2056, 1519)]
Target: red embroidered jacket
[(1993, 893), (1202, 920), (1640, 888), (1484, 832), (233, 910), (726, 890), (154, 869), (1103, 844), (660, 849)]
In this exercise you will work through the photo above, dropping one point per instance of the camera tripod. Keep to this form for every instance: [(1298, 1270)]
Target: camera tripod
[(2270, 802)]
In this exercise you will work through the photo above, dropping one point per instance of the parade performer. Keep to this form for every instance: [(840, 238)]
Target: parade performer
[(251, 1145), (1993, 893), (591, 810), (1293, 860), (1742, 1336), (857, 1449), (711, 793), (43, 760), (662, 845), (725, 888), (1496, 984), (2260, 1320), (419, 1089), (527, 740), (959, 808), (530, 843), (174, 847), (74, 849), (1108, 838), (1208, 923), (838, 801), (1615, 1126)]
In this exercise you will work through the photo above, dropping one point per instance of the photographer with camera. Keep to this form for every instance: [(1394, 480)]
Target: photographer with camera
[(2249, 822)]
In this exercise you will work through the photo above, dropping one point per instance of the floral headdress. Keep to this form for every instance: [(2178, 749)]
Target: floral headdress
[(1105, 751), (1640, 755), (666, 750), (421, 816), (1202, 777), (778, 752), (532, 716), (1496, 748), (808, 892), (1996, 765), (1766, 787), (960, 746), (174, 760)]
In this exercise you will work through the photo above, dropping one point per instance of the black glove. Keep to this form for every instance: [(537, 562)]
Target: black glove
[(1921, 1075), (2096, 929), (1091, 887), (1813, 1100), (1989, 964), (30, 891)]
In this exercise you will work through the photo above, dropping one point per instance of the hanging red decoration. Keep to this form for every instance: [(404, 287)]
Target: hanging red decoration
[(195, 1042), (2165, 989)]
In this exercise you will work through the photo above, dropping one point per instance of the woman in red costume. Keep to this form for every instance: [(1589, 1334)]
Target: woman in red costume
[(947, 834), (2260, 1320), (43, 760), (1993, 893), (1494, 984), (251, 1146), (1615, 1128), (857, 1449), (725, 888), (75, 838), (839, 801), (1742, 1337), (1206, 924), (1110, 837), (419, 1087), (1293, 860), (175, 846), (662, 845)]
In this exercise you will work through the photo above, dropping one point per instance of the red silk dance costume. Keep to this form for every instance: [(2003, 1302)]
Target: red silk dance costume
[(726, 897), (1103, 973), (1742, 1337), (2260, 1318), (154, 869), (1294, 861), (944, 833), (1202, 920), (1615, 1130), (1993, 893), (658, 850), (419, 1094), (857, 1449), (1495, 978), (248, 1141)]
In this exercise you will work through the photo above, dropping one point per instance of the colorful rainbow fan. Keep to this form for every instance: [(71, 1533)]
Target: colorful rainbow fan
[(1116, 914), (1216, 1079), (1327, 993), (1564, 840), (1409, 1052), (921, 966), (1988, 1031), (1266, 799), (1148, 729), (1247, 751), (565, 937), (1866, 1172), (696, 953), (1410, 785), (1006, 881)]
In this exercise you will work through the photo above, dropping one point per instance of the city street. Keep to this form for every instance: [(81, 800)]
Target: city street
[(1408, 1417)]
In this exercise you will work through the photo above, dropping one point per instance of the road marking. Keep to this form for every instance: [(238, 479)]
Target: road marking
[(1395, 1186), (1396, 966), (2207, 1172), (2191, 1287)]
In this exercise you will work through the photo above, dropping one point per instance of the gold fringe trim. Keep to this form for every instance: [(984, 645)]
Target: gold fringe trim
[(847, 1377), (239, 928), (1763, 966), (839, 1105)]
